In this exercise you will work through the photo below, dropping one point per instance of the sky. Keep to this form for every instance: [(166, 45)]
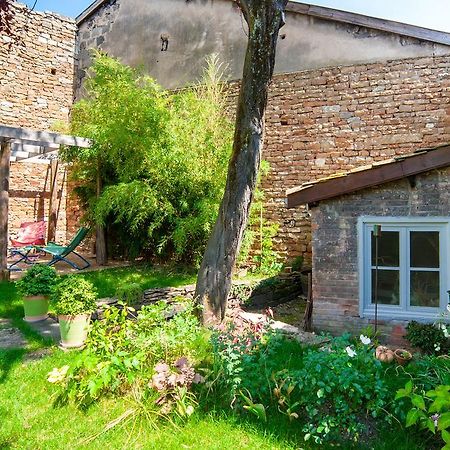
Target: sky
[(434, 14)]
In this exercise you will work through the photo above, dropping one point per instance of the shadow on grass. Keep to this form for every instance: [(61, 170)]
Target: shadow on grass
[(8, 360)]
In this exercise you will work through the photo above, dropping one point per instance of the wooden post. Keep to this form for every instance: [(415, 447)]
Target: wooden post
[(100, 241), (5, 157), (53, 206)]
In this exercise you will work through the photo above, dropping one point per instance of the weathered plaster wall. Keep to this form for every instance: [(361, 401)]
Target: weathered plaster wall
[(335, 246), (131, 30), (36, 91)]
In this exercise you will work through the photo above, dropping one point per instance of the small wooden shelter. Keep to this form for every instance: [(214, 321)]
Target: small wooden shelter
[(25, 145)]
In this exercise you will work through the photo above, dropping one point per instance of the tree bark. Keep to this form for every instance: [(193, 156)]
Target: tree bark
[(5, 158), (264, 19), (100, 241)]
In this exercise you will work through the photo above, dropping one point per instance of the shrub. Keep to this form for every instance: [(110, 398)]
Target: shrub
[(429, 411), (38, 280), (162, 158), (130, 294), (427, 337), (74, 295), (150, 355), (333, 392)]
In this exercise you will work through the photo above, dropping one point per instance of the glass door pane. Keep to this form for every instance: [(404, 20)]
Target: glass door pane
[(424, 289), (385, 265), (424, 270)]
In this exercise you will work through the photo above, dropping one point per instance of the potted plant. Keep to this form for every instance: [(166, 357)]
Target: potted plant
[(402, 356), (36, 286), (74, 301)]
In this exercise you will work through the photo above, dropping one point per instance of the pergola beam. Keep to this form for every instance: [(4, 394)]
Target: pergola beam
[(43, 138)]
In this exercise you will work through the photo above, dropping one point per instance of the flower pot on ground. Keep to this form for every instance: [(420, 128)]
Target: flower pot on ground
[(35, 287), (384, 354), (402, 356), (74, 302)]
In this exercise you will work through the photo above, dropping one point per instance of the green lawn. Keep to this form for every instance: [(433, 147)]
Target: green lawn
[(29, 418)]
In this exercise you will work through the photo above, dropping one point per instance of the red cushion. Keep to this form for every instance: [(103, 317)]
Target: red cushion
[(30, 233)]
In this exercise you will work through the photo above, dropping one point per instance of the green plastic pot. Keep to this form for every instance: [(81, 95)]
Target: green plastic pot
[(36, 308), (74, 330)]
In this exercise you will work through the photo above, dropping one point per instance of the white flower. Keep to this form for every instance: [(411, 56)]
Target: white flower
[(189, 410), (57, 375), (437, 347), (364, 339), (350, 352)]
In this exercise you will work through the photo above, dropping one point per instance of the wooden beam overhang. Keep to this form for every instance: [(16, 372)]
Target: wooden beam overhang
[(42, 138), (402, 167)]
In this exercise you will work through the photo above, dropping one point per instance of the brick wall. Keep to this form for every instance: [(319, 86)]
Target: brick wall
[(335, 249), (320, 122), (36, 91)]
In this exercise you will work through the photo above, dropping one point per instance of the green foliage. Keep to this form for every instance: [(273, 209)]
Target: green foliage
[(430, 410), (430, 338), (74, 295), (297, 264), (162, 158), (332, 392), (124, 351), (129, 294), (259, 234), (39, 279)]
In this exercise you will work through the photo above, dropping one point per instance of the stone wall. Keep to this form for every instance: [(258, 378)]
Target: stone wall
[(335, 245), (36, 91), (325, 121)]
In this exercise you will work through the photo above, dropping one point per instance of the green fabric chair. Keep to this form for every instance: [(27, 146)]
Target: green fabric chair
[(61, 252)]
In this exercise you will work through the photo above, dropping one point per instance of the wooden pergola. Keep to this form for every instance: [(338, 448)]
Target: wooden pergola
[(25, 145)]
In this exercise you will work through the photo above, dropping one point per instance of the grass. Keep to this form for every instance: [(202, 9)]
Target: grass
[(108, 280), (30, 419)]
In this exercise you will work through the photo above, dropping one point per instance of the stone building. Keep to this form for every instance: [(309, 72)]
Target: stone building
[(380, 243), (349, 90)]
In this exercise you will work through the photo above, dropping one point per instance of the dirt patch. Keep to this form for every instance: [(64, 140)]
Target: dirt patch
[(10, 337)]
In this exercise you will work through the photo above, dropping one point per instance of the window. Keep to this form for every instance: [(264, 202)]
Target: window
[(405, 268)]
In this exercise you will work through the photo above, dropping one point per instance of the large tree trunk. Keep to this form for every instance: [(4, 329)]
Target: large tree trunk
[(5, 157), (264, 19)]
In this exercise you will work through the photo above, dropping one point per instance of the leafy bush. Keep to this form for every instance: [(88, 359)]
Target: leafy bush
[(430, 410), (38, 280), (150, 355), (335, 392), (332, 392), (74, 295), (162, 158), (430, 338), (129, 294)]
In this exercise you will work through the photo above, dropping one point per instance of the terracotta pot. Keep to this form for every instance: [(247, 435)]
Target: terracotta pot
[(74, 330), (402, 356), (36, 308)]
